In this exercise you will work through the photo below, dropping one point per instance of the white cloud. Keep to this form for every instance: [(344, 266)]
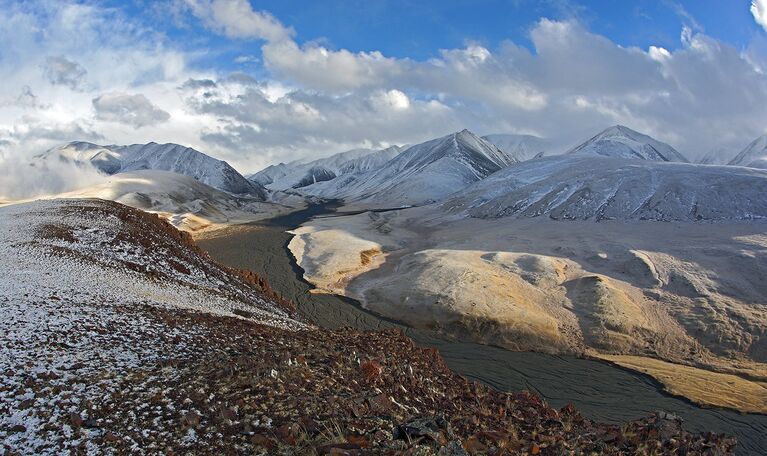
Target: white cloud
[(759, 11), (236, 19), (135, 110)]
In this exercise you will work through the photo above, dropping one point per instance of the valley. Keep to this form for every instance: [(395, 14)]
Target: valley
[(600, 390)]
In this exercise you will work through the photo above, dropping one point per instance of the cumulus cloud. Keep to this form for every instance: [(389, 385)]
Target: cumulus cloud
[(65, 72), (274, 125), (135, 110), (759, 11), (237, 19)]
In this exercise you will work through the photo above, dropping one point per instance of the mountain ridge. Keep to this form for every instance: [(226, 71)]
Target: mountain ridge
[(114, 159)]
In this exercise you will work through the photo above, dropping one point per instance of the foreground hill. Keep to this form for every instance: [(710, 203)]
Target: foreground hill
[(574, 187), (162, 157), (119, 335), (421, 174), (622, 142)]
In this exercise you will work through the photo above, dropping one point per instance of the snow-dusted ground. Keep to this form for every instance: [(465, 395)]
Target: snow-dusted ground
[(81, 282)]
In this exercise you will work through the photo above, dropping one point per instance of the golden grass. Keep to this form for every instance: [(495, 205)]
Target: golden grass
[(699, 385)]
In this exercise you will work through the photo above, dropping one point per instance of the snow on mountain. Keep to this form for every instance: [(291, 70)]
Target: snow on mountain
[(369, 162), (622, 142), (163, 157), (715, 156), (269, 174), (754, 155), (421, 174), (300, 174), (185, 201), (575, 187), (313, 175), (521, 147)]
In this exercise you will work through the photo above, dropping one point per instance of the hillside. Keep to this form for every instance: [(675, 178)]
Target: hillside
[(575, 187), (118, 333)]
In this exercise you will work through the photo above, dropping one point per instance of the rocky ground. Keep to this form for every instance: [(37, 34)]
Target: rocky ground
[(119, 336)]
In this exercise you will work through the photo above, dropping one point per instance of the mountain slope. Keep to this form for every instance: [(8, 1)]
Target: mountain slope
[(299, 174), (600, 188), (754, 155), (421, 174), (622, 142), (162, 157), (369, 162), (521, 147)]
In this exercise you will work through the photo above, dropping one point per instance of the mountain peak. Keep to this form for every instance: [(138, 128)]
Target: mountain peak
[(620, 141)]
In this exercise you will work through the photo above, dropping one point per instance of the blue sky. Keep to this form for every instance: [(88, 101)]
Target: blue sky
[(419, 29), (258, 82)]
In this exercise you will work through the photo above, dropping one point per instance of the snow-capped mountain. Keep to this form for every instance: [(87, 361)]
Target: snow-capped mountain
[(521, 147), (622, 142), (421, 174), (162, 157), (299, 174), (574, 187), (754, 155)]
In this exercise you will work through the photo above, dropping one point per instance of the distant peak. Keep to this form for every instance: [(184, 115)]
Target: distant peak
[(621, 129), (464, 134)]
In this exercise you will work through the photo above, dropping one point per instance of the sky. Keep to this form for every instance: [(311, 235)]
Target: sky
[(259, 82)]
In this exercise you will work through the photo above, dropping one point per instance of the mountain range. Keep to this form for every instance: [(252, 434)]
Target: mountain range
[(175, 158), (421, 174)]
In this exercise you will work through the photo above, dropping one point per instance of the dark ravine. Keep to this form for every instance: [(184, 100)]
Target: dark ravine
[(598, 390)]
